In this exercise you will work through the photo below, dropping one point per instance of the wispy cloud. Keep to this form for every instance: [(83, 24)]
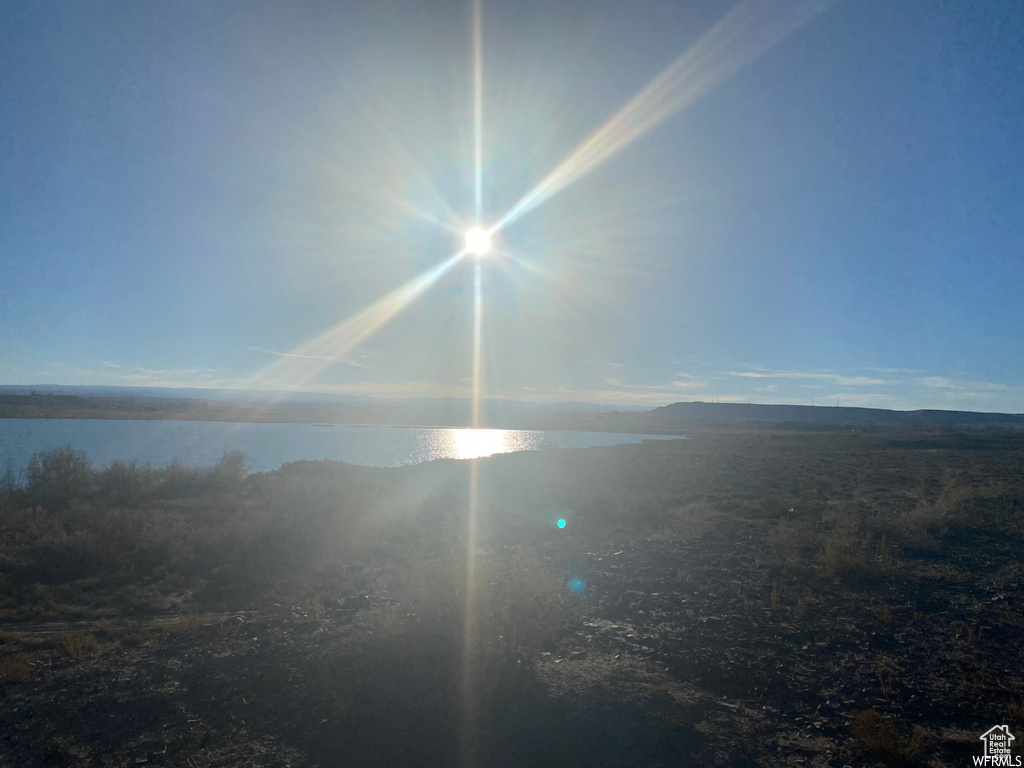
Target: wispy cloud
[(345, 360), (398, 389), (674, 385), (941, 382), (877, 369), (117, 374), (650, 396), (841, 379), (172, 377)]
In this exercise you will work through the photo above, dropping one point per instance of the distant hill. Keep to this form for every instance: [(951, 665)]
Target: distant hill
[(69, 402), (748, 413), (499, 406), (155, 404)]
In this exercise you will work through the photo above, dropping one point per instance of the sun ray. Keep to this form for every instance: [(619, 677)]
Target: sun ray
[(478, 111), (478, 304), (470, 716), (470, 723), (478, 242), (447, 220), (303, 363), (748, 31)]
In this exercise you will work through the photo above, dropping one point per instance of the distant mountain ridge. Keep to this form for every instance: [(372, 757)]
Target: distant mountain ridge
[(251, 396), (741, 413), (71, 402)]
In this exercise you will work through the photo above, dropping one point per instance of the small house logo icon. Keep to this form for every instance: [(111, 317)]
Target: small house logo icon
[(997, 741)]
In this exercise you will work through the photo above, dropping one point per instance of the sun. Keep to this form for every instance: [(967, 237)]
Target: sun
[(478, 241)]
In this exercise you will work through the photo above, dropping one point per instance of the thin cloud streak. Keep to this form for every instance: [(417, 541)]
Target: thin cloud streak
[(841, 379), (941, 382), (327, 358)]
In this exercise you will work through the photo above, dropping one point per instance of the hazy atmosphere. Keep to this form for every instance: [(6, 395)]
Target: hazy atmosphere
[(511, 384), (817, 201)]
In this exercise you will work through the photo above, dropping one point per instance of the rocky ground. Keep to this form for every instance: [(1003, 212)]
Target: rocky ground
[(716, 639)]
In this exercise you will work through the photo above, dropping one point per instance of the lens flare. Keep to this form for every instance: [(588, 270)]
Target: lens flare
[(561, 523)]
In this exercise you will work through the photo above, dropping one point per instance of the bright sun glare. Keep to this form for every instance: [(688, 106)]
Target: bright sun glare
[(478, 241), (478, 443)]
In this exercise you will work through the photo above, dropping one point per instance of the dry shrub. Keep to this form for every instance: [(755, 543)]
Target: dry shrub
[(127, 482), (857, 539), (78, 645), (58, 477), (930, 520), (882, 612), (966, 636), (801, 607), (691, 522), (883, 739), (187, 624), (789, 540), (956, 490), (840, 560), (886, 670), (13, 638), (15, 669), (924, 525), (313, 608)]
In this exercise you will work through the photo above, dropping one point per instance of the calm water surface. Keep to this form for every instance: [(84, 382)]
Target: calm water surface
[(268, 446)]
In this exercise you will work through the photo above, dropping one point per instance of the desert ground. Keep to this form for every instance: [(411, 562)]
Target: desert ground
[(743, 597)]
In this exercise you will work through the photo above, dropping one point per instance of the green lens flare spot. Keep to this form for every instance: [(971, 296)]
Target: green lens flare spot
[(561, 523)]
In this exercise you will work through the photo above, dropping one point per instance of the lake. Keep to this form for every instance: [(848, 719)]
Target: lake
[(268, 446)]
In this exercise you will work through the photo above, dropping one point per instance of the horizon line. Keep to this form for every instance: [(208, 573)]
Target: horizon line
[(713, 400)]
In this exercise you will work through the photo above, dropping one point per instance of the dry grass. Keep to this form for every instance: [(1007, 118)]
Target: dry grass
[(691, 522), (886, 670), (883, 612), (1015, 711), (883, 555), (801, 606), (883, 739), (932, 518), (840, 561), (78, 645), (186, 624), (314, 608), (1009, 619), (13, 638), (15, 669), (964, 635), (788, 540)]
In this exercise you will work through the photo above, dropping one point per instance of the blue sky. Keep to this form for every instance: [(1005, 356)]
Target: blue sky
[(190, 192)]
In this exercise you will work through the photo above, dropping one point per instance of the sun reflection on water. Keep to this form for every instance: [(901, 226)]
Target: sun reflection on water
[(478, 443)]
